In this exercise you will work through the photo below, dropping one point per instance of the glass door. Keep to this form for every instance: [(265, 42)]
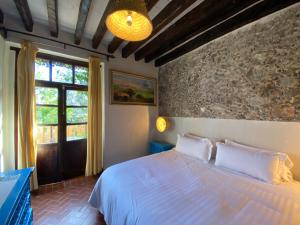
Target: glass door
[(47, 133), (61, 117), (75, 130)]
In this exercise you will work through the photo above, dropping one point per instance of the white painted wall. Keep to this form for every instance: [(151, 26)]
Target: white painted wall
[(2, 46), (277, 136), (7, 70), (127, 128)]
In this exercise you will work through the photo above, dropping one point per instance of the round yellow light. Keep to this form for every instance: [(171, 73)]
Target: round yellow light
[(161, 124), (129, 25)]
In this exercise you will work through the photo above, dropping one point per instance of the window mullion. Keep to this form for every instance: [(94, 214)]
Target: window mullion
[(50, 70), (77, 106), (73, 74), (47, 105)]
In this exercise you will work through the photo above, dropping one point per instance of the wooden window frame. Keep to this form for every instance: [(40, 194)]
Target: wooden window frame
[(62, 87), (43, 84)]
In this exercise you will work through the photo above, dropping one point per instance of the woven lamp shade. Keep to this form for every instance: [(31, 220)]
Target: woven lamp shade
[(129, 20)]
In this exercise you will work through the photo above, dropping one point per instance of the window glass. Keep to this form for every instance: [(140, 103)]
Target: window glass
[(76, 115), (77, 98), (62, 72), (75, 132), (47, 96), (48, 103), (81, 75), (47, 134), (46, 115), (42, 69)]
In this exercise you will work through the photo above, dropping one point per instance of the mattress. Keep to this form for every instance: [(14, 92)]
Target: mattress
[(173, 189)]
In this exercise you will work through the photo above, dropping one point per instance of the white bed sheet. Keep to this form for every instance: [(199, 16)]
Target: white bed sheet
[(172, 189)]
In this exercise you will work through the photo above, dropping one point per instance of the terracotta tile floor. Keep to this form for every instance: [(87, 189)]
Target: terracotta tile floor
[(66, 206)]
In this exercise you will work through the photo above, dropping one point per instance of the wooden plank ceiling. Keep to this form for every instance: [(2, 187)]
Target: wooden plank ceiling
[(174, 32)]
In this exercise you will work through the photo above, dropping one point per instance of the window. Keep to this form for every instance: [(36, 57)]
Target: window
[(42, 69), (62, 72), (61, 99), (47, 114), (81, 75), (77, 102)]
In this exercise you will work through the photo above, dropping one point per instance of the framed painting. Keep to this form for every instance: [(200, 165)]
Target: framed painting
[(132, 89)]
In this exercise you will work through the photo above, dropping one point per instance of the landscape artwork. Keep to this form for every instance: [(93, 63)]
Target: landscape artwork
[(132, 89)]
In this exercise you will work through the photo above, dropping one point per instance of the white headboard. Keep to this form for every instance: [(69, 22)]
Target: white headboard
[(277, 136)]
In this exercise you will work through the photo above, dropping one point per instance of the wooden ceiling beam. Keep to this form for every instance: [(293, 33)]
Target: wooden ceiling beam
[(249, 15), (52, 17), (116, 42), (24, 11), (1, 16), (3, 32), (202, 17), (101, 29), (170, 12), (81, 21), (150, 4)]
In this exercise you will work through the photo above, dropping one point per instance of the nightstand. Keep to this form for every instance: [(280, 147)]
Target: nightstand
[(158, 146)]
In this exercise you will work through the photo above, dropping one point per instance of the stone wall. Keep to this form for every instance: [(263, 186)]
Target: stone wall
[(252, 73)]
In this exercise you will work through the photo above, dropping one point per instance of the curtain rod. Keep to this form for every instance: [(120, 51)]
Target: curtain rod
[(6, 30)]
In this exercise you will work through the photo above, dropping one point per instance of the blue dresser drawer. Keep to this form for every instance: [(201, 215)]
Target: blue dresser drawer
[(16, 209), (157, 146)]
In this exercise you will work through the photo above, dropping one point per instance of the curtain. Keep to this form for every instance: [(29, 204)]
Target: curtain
[(26, 109), (94, 136)]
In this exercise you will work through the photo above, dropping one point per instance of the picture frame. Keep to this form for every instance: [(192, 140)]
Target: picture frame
[(132, 89)]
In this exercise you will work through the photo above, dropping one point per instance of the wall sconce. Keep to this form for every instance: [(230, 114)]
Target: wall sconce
[(161, 124)]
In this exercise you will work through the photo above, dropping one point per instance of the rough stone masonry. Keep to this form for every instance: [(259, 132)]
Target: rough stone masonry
[(251, 73)]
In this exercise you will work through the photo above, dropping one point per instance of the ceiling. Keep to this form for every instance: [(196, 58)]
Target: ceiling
[(68, 14), (179, 25)]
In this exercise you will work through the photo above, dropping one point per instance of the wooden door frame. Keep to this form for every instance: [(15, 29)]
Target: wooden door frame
[(62, 96)]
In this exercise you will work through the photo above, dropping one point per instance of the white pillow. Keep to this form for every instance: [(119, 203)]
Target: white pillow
[(258, 164), (285, 163), (213, 143), (195, 147)]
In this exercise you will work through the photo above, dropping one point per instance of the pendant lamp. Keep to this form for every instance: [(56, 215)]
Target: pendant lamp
[(129, 20)]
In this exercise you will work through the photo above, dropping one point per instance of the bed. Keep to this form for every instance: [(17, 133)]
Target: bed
[(171, 188)]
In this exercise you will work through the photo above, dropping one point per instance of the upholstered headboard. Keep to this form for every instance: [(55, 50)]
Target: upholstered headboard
[(277, 136)]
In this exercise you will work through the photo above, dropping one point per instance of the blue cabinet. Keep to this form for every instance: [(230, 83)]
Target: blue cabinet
[(158, 146), (15, 204)]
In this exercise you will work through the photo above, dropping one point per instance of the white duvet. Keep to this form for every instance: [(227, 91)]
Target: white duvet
[(172, 189)]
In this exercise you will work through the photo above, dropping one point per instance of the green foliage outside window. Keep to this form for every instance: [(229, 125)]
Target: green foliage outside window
[(46, 115), (41, 69), (81, 75), (62, 72), (77, 98), (46, 95), (76, 115)]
